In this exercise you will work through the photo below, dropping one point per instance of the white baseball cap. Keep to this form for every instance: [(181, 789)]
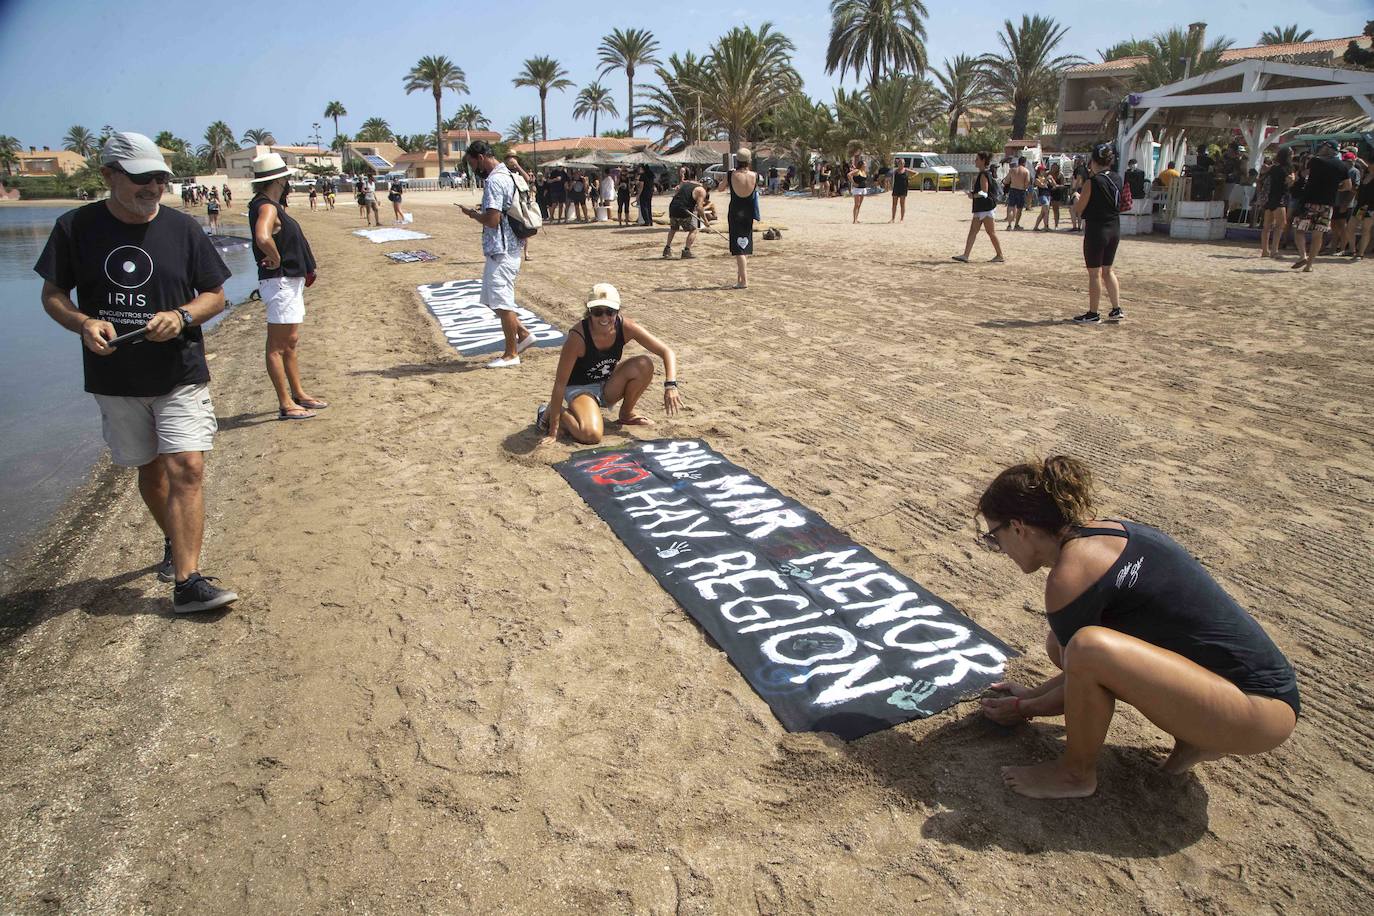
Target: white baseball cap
[(606, 295), (134, 153)]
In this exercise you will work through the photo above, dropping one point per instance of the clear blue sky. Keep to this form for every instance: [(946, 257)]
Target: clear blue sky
[(150, 65)]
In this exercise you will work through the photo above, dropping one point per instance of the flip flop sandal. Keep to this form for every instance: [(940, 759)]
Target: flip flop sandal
[(285, 415), (311, 404)]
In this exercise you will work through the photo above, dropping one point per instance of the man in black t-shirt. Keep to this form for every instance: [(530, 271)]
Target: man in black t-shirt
[(137, 267), (1135, 177), (1326, 178)]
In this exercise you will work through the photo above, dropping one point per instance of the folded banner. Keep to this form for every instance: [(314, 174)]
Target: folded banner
[(830, 636), (390, 235), (471, 327), (412, 257)]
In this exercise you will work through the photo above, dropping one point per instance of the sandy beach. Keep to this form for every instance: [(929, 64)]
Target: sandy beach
[(448, 688)]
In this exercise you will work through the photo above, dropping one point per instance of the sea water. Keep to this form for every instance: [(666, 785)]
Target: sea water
[(49, 426)]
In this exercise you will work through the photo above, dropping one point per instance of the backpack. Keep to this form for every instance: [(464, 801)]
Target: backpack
[(523, 216), (1124, 199), (994, 188)]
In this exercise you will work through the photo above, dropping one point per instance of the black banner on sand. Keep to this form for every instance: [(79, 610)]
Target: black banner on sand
[(830, 636), (472, 328)]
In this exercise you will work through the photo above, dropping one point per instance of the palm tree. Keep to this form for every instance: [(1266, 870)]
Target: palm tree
[(524, 130), (340, 143), (79, 140), (801, 126), (335, 110), (258, 136), (627, 50), (888, 115), (1131, 47), (219, 143), (375, 130), (1174, 55), (415, 143), (9, 150), (748, 74), (962, 88), (880, 36), (593, 100), (676, 107), (1025, 74), (437, 74), (168, 140), (543, 73), (1285, 35), (468, 117)]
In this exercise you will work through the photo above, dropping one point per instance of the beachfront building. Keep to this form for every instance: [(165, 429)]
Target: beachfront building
[(380, 156), (573, 146), (1088, 93), (48, 162), (239, 164), (456, 144)]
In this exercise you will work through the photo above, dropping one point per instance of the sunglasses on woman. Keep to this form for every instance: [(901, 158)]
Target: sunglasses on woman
[(600, 312), (144, 178), (989, 538)]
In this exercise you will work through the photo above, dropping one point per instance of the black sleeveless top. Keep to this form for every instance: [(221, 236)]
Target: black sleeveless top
[(1104, 204), (1158, 593), (683, 203), (595, 366), (740, 214), (297, 259)]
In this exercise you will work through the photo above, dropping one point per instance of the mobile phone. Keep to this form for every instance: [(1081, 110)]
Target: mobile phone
[(131, 337)]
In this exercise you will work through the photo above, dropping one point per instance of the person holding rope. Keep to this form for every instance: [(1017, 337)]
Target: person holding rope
[(591, 375), (1133, 618), (686, 212)]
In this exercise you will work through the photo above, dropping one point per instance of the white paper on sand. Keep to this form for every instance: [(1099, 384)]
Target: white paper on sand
[(390, 235)]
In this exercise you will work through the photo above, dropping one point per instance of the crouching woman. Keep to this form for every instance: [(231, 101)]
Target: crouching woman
[(591, 374), (1133, 617)]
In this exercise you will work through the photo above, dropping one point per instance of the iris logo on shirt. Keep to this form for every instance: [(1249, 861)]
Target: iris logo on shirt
[(128, 267)]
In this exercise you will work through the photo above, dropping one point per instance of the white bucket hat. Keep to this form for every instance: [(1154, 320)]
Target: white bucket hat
[(269, 167), (134, 153), (605, 295)]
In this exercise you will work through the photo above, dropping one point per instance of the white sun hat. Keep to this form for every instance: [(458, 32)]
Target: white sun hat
[(269, 167), (604, 294)]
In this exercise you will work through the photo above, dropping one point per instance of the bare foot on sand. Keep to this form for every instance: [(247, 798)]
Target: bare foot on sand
[(1185, 756), (1049, 780)]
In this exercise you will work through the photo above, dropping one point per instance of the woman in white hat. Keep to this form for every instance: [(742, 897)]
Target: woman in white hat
[(286, 266), (591, 375)]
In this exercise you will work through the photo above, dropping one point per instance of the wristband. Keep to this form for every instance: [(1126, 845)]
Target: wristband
[(670, 383)]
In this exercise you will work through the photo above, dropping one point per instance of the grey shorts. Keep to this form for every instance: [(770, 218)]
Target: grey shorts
[(137, 430), (682, 223), (573, 391), (498, 281)]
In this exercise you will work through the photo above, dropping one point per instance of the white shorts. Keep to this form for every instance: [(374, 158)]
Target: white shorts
[(139, 429), (498, 281), (285, 299)]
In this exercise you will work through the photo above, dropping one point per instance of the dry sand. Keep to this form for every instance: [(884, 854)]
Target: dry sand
[(448, 688)]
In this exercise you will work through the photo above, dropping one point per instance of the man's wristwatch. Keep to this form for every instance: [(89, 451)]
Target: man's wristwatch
[(185, 319), (670, 383)]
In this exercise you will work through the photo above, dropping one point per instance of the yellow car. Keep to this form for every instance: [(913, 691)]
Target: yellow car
[(931, 172)]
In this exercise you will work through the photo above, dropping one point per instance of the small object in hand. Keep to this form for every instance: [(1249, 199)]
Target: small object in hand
[(131, 337), (310, 279)]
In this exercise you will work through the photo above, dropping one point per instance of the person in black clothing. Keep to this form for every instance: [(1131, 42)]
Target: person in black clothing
[(622, 197), (1133, 618), (901, 184), (1099, 207), (591, 374), (1135, 178), (686, 212), (984, 210), (742, 181), (394, 193), (1276, 182), (1364, 211), (1326, 178), (286, 266), (646, 196)]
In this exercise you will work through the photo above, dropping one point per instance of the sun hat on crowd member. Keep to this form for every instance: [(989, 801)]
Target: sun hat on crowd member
[(133, 153), (604, 295), (269, 167)]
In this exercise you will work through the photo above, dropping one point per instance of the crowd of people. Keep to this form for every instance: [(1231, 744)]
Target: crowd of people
[(1322, 201)]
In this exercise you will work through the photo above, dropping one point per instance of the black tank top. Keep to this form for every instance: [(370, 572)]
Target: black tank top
[(297, 259), (1158, 593), (595, 366), (683, 202)]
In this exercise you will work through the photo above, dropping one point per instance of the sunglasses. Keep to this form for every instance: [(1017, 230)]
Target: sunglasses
[(600, 312), (144, 178), (989, 538)]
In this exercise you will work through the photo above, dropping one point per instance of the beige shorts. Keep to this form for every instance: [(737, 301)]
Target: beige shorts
[(498, 281), (137, 430), (284, 298)]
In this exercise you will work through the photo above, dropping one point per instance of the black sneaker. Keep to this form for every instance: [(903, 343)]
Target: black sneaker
[(667, 251), (197, 594), (687, 254), (166, 570), (1116, 315), (1087, 318)]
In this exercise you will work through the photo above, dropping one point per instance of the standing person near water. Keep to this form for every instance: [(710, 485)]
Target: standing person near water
[(858, 180), (984, 210), (1133, 618), (137, 265), (286, 266), (1099, 208), (501, 249), (743, 181), (212, 212), (901, 184)]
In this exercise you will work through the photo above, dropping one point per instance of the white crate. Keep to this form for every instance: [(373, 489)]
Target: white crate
[(1142, 207), (1202, 229), (1137, 225), (1200, 209)]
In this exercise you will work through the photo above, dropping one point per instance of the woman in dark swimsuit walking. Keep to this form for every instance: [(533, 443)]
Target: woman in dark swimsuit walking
[(1133, 617), (739, 221), (591, 375)]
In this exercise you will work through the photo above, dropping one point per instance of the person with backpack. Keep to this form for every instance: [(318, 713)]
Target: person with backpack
[(502, 250), (984, 193), (1099, 206)]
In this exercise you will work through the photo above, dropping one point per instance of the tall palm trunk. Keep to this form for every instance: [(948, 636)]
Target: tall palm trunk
[(543, 114), (954, 125), (1020, 115), (630, 101), (594, 113), (438, 134)]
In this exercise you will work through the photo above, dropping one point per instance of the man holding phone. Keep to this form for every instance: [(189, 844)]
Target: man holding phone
[(501, 249), (134, 267)]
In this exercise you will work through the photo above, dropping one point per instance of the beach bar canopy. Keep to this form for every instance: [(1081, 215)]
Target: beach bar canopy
[(1256, 96), (696, 154), (644, 157)]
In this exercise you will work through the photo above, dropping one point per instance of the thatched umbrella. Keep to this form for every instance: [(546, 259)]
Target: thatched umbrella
[(696, 154)]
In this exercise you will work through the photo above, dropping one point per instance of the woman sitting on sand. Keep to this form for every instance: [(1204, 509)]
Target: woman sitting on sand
[(591, 376), (1133, 617)]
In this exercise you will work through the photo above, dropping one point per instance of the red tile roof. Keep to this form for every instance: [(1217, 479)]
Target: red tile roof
[(1332, 47)]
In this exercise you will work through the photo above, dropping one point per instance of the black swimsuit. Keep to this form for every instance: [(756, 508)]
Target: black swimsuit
[(1157, 592)]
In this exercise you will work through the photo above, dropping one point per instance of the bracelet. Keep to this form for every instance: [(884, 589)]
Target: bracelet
[(670, 383)]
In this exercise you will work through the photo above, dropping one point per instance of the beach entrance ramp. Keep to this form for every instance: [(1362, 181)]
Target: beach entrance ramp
[(830, 636)]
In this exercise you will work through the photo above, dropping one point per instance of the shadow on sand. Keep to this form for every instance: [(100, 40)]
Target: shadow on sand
[(442, 367)]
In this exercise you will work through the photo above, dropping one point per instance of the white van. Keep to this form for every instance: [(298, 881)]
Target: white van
[(932, 172)]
